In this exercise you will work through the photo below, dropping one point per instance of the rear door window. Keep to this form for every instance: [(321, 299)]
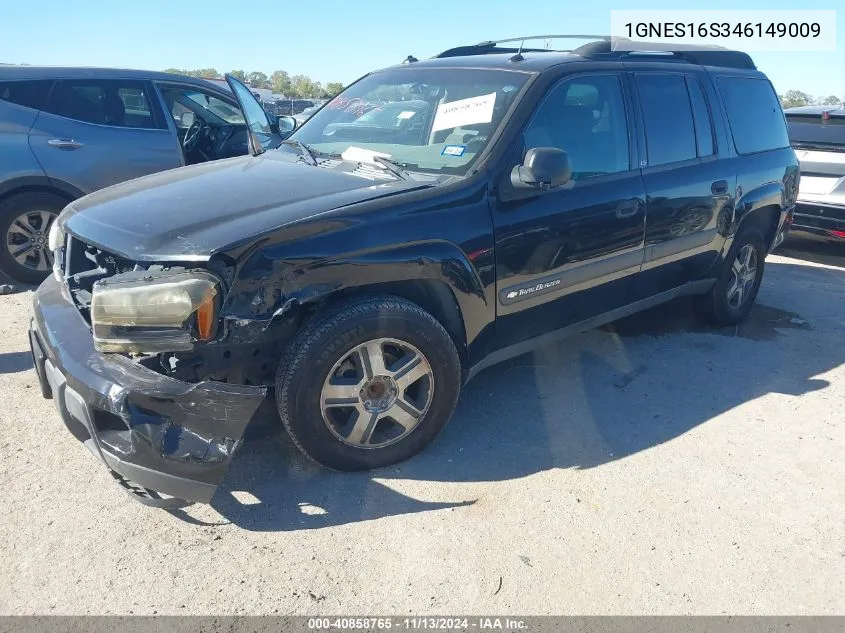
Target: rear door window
[(27, 93), (754, 114), (667, 116), (117, 103)]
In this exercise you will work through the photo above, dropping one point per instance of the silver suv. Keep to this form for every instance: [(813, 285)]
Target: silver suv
[(817, 133), (66, 132)]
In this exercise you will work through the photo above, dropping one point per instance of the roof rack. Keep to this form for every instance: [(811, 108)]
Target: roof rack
[(491, 46), (610, 48), (605, 47)]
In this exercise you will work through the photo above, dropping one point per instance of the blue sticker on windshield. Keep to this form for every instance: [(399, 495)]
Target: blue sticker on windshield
[(454, 150)]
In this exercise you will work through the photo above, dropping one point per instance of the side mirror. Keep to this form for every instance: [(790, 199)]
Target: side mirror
[(287, 124), (543, 168)]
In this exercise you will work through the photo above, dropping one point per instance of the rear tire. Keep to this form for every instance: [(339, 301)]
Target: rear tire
[(732, 296), (369, 384), (25, 221)]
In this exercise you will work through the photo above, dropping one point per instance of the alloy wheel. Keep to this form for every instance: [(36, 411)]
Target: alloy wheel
[(26, 239), (743, 275), (377, 393)]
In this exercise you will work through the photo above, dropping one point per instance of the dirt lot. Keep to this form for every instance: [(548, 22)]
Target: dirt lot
[(655, 466)]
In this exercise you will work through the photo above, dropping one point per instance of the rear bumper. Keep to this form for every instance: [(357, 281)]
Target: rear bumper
[(820, 219), (155, 434)]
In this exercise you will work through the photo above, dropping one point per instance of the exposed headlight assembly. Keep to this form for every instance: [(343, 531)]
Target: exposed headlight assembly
[(140, 313), (56, 244)]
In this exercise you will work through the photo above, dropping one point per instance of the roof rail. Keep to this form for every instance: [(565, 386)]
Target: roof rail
[(702, 55), (611, 47), (491, 46)]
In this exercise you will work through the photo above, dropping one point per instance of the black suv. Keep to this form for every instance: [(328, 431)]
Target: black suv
[(364, 275)]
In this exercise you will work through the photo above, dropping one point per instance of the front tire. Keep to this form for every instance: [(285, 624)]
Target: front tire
[(25, 221), (369, 384), (732, 296)]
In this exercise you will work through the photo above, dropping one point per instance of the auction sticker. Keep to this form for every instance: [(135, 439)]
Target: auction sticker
[(464, 112)]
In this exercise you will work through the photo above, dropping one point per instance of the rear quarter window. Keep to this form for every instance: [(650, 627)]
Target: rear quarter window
[(27, 93), (754, 114)]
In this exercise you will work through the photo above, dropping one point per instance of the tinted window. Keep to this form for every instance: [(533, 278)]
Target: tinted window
[(669, 130), (31, 94), (586, 118), (703, 124), (106, 102), (754, 114)]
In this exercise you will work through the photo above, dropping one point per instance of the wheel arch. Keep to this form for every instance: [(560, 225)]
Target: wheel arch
[(436, 275), (432, 295), (40, 184), (763, 207)]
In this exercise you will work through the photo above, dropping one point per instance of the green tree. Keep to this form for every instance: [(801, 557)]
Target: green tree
[(208, 73), (280, 82), (176, 71), (258, 79), (301, 86), (795, 98), (333, 88), (831, 100), (238, 74)]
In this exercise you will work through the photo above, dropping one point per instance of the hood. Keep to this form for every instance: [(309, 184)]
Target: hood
[(192, 212)]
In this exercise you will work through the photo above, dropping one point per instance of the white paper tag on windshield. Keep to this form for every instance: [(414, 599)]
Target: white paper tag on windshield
[(464, 112), (407, 114), (361, 155)]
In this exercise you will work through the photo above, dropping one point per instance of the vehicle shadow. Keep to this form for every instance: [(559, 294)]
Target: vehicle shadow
[(598, 397), (14, 362), (813, 250), (9, 286)]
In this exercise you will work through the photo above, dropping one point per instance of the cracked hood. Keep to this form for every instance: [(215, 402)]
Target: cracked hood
[(192, 212)]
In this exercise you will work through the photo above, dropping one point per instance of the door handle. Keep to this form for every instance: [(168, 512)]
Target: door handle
[(720, 187), (628, 208), (64, 143)]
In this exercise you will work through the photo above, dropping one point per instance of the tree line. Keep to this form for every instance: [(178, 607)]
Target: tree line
[(279, 81), (795, 98)]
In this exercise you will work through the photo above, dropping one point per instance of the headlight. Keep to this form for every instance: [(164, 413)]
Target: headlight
[(139, 313), (56, 244)]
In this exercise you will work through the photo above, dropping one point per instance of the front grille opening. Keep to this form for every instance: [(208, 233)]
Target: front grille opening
[(85, 264)]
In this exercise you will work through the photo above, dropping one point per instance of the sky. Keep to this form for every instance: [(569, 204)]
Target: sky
[(339, 40)]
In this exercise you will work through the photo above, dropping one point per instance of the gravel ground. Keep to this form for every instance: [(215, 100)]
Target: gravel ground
[(655, 466)]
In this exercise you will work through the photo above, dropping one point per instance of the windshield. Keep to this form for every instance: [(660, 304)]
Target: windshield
[(425, 119)]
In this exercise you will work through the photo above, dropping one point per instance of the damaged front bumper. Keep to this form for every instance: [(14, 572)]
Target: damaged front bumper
[(157, 435)]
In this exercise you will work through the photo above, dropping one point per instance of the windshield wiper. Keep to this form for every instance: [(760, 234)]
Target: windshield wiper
[(305, 153), (393, 167)]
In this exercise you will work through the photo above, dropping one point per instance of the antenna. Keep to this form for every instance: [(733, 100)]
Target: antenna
[(518, 57)]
